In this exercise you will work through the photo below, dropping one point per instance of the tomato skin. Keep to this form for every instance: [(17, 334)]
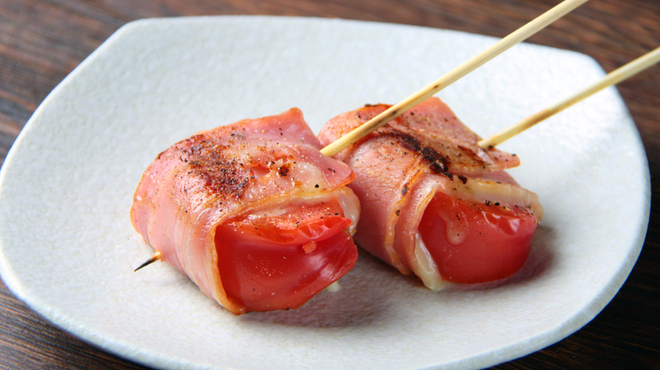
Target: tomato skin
[(280, 262), (475, 243)]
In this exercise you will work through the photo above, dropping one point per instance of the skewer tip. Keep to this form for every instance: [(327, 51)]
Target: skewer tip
[(154, 258)]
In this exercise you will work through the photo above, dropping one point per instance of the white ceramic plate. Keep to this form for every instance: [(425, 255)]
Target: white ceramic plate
[(67, 247)]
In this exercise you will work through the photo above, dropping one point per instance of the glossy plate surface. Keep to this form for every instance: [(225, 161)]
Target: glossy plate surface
[(67, 247)]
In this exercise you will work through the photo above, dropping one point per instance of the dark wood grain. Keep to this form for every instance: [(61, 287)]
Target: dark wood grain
[(42, 41)]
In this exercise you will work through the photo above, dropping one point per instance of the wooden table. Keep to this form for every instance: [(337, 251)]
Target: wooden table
[(42, 41)]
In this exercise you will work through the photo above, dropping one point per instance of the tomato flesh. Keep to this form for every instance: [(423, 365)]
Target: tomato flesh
[(273, 262), (476, 243)]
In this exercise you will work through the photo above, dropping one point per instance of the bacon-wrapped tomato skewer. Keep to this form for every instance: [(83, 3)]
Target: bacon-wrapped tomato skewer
[(435, 203), (473, 230), (251, 212)]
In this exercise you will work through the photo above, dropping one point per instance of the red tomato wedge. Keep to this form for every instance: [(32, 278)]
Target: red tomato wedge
[(475, 243), (275, 258)]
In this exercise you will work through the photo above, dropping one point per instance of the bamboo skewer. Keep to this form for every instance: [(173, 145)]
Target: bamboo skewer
[(514, 38), (154, 258), (613, 78)]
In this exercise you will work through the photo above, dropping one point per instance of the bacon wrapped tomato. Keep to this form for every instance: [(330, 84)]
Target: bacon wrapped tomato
[(251, 212), (435, 203)]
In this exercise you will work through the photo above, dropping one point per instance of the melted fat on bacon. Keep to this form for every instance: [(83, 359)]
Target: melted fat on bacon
[(274, 196), (401, 169)]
